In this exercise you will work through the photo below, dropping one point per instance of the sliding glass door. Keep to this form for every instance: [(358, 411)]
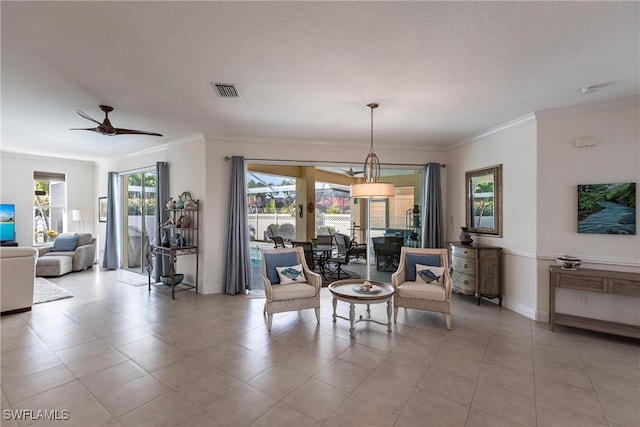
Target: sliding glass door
[(139, 221)]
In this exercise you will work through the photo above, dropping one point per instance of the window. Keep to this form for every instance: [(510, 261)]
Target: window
[(391, 213), (49, 200), (398, 206), (272, 206)]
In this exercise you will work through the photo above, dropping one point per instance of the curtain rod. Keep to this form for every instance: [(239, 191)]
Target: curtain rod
[(140, 169), (314, 163)]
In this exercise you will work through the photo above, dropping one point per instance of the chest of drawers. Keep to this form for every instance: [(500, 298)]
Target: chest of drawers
[(476, 270)]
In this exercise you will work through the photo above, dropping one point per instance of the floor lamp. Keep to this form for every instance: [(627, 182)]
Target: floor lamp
[(371, 188), (78, 215)]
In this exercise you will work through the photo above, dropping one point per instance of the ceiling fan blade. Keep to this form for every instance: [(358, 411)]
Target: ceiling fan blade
[(351, 172), (93, 129), (86, 116), (135, 132)]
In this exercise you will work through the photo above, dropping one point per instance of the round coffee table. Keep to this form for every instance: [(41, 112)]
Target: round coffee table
[(343, 290)]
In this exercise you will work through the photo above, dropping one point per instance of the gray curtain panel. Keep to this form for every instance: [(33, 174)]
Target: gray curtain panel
[(432, 221), (111, 259), (237, 268), (161, 262)]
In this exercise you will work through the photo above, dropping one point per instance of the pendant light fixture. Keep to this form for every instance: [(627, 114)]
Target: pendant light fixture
[(371, 188)]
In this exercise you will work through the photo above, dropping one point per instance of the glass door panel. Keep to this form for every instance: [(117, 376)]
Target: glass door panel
[(139, 219)]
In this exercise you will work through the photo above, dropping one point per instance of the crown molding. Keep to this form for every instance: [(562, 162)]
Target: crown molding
[(500, 128), (590, 107), (322, 143), (164, 147), (49, 159)]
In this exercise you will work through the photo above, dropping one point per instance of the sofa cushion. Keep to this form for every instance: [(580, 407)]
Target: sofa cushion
[(273, 260), (56, 254), (17, 252), (292, 291), (421, 290), (84, 239), (65, 243), (53, 266), (412, 259)]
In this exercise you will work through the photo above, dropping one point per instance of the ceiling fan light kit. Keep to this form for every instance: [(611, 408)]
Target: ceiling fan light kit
[(106, 128)]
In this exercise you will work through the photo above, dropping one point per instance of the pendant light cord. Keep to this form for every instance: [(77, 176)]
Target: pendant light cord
[(371, 149)]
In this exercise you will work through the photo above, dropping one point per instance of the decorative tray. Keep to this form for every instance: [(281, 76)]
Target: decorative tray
[(374, 290)]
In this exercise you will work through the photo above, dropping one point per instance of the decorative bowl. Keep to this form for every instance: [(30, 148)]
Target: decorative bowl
[(166, 280), (567, 262)]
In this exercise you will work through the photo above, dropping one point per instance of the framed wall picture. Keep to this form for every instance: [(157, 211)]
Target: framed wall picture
[(102, 209), (607, 208)]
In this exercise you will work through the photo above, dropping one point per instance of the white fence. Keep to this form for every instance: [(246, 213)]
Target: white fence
[(258, 223)]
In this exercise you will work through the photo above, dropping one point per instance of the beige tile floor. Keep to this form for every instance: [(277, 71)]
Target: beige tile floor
[(117, 355)]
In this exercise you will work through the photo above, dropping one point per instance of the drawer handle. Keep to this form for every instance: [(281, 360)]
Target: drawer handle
[(465, 252), (466, 282), (466, 266)]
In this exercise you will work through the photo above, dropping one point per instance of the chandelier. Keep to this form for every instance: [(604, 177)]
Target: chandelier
[(371, 188)]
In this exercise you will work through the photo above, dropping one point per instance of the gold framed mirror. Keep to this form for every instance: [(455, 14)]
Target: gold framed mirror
[(483, 207)]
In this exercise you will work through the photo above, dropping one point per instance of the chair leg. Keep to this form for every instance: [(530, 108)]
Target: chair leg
[(264, 310), (317, 309), (447, 320), (395, 313), (269, 322)]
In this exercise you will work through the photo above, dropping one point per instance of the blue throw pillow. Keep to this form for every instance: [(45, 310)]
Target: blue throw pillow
[(412, 259), (273, 260), (65, 243)]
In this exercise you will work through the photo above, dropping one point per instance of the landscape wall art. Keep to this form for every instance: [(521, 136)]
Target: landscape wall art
[(607, 208)]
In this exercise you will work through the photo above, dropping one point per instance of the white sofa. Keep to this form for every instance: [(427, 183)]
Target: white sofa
[(17, 277)]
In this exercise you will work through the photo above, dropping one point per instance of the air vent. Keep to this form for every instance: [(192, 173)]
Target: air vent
[(225, 90)]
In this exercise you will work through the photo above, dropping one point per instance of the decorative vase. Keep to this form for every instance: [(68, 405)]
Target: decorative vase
[(180, 202), (465, 237), (171, 204)]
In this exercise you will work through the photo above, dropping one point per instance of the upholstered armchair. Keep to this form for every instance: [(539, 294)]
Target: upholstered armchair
[(422, 282), (289, 284)]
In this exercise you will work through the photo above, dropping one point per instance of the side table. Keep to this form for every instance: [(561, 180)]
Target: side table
[(343, 290)]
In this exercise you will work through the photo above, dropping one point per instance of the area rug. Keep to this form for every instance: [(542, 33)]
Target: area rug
[(346, 274), (45, 291), (133, 279)]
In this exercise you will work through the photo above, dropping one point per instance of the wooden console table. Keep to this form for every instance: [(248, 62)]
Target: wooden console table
[(601, 281)]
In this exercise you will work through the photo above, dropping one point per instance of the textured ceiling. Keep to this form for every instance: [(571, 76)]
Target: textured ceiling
[(441, 71)]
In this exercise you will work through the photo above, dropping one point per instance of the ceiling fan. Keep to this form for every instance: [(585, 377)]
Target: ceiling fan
[(105, 128), (351, 172)]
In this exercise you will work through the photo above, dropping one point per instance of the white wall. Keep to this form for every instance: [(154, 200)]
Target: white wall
[(16, 186), (186, 173), (514, 146), (561, 167)]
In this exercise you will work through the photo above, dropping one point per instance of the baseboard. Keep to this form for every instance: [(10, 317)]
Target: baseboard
[(520, 309), (17, 310)]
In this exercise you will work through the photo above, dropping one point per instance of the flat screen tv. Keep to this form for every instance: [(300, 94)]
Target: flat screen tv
[(7, 224)]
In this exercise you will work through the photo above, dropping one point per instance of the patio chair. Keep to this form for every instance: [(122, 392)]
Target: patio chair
[(294, 296), (307, 247), (278, 242), (387, 249), (342, 257), (344, 243), (431, 294)]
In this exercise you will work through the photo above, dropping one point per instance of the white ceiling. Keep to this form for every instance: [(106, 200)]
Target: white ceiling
[(441, 71)]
